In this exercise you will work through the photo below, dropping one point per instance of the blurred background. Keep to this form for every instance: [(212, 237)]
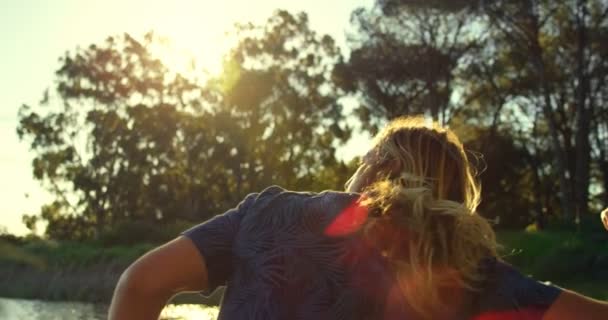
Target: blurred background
[(124, 123)]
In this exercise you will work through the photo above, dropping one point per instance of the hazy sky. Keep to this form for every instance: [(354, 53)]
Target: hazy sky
[(34, 34)]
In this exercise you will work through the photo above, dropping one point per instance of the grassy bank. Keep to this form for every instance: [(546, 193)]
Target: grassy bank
[(70, 271), (65, 271), (577, 261), (88, 272)]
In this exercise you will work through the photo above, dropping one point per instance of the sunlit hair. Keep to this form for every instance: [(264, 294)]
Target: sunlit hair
[(427, 191)]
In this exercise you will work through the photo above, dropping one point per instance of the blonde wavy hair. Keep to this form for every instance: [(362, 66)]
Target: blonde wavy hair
[(426, 189)]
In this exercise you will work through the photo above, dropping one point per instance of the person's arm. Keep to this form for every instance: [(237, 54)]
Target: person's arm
[(146, 286), (605, 218), (571, 306)]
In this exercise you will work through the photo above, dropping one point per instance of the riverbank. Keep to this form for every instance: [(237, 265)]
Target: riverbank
[(69, 271), (11, 308), (89, 272), (573, 260)]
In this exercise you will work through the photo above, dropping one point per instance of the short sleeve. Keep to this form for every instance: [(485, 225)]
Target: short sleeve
[(214, 241), (510, 292)]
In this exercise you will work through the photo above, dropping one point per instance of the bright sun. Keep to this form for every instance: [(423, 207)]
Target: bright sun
[(192, 35), (185, 57)]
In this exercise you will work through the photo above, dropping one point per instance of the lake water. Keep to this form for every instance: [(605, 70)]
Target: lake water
[(17, 309)]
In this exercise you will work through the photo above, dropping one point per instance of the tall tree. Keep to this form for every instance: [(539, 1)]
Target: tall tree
[(106, 138), (405, 57), (121, 137), (555, 45), (278, 92), (529, 68)]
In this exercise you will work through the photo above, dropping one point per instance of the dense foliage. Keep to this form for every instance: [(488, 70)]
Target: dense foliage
[(124, 142)]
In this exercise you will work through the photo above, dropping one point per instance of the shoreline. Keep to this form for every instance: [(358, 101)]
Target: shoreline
[(92, 284), (88, 272), (16, 308)]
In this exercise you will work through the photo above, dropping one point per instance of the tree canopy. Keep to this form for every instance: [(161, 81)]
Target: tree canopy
[(120, 137)]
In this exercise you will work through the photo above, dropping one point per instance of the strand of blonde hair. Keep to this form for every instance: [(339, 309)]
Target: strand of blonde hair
[(447, 238)]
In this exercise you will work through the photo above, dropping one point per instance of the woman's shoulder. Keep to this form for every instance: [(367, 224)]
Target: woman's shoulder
[(323, 198), (508, 291), (278, 206), (279, 189)]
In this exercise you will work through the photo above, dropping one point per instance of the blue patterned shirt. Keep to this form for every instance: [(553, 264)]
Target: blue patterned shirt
[(278, 260)]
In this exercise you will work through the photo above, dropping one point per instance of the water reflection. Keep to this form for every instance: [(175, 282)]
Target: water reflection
[(38, 310), (188, 311)]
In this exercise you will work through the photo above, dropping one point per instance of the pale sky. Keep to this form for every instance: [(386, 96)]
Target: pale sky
[(34, 34)]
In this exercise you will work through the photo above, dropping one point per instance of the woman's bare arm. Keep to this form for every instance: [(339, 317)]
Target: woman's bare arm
[(146, 286), (572, 306)]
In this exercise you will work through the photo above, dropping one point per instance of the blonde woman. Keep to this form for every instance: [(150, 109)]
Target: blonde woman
[(404, 242)]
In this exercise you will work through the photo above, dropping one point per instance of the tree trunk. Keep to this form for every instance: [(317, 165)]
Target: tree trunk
[(583, 117), (604, 169), (561, 157)]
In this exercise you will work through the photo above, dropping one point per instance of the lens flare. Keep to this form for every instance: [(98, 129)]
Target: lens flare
[(348, 221)]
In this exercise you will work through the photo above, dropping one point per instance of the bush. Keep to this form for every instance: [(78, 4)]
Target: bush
[(140, 232), (551, 255), (12, 239)]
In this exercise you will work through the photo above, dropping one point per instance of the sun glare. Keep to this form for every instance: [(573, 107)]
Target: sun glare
[(193, 39), (204, 58), (189, 311)]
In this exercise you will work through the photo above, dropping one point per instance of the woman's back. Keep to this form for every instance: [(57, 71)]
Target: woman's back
[(283, 265), (302, 256), (425, 253)]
